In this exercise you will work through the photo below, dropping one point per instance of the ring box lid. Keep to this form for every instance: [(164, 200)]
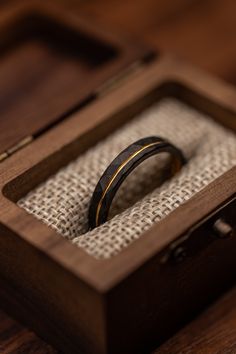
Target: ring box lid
[(52, 62)]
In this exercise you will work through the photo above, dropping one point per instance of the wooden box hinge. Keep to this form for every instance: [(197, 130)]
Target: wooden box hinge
[(23, 142)]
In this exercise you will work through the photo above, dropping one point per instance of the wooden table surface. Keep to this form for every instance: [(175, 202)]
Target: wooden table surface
[(212, 332), (15, 338), (204, 33)]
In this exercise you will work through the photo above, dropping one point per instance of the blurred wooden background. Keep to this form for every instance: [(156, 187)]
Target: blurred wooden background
[(201, 31), (204, 33)]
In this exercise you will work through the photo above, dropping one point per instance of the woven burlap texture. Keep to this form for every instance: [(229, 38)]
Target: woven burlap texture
[(62, 201)]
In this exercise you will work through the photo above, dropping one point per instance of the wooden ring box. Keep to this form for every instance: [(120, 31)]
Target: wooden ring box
[(109, 310)]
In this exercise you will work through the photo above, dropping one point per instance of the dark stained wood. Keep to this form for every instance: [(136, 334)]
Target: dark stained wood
[(204, 33), (201, 31), (14, 338), (50, 62), (105, 295), (214, 331)]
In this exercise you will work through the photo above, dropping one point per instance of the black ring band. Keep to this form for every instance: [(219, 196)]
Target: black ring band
[(121, 167)]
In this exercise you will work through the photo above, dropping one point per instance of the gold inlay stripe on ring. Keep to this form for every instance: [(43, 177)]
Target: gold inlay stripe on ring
[(117, 172)]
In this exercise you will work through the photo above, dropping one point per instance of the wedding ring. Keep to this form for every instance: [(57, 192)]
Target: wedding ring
[(121, 167)]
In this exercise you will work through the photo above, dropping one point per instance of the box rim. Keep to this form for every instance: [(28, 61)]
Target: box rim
[(103, 275)]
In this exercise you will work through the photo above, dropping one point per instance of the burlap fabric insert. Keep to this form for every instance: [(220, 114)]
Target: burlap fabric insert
[(62, 201)]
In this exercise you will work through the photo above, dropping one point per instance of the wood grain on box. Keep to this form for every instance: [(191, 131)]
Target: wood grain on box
[(86, 301), (51, 63)]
